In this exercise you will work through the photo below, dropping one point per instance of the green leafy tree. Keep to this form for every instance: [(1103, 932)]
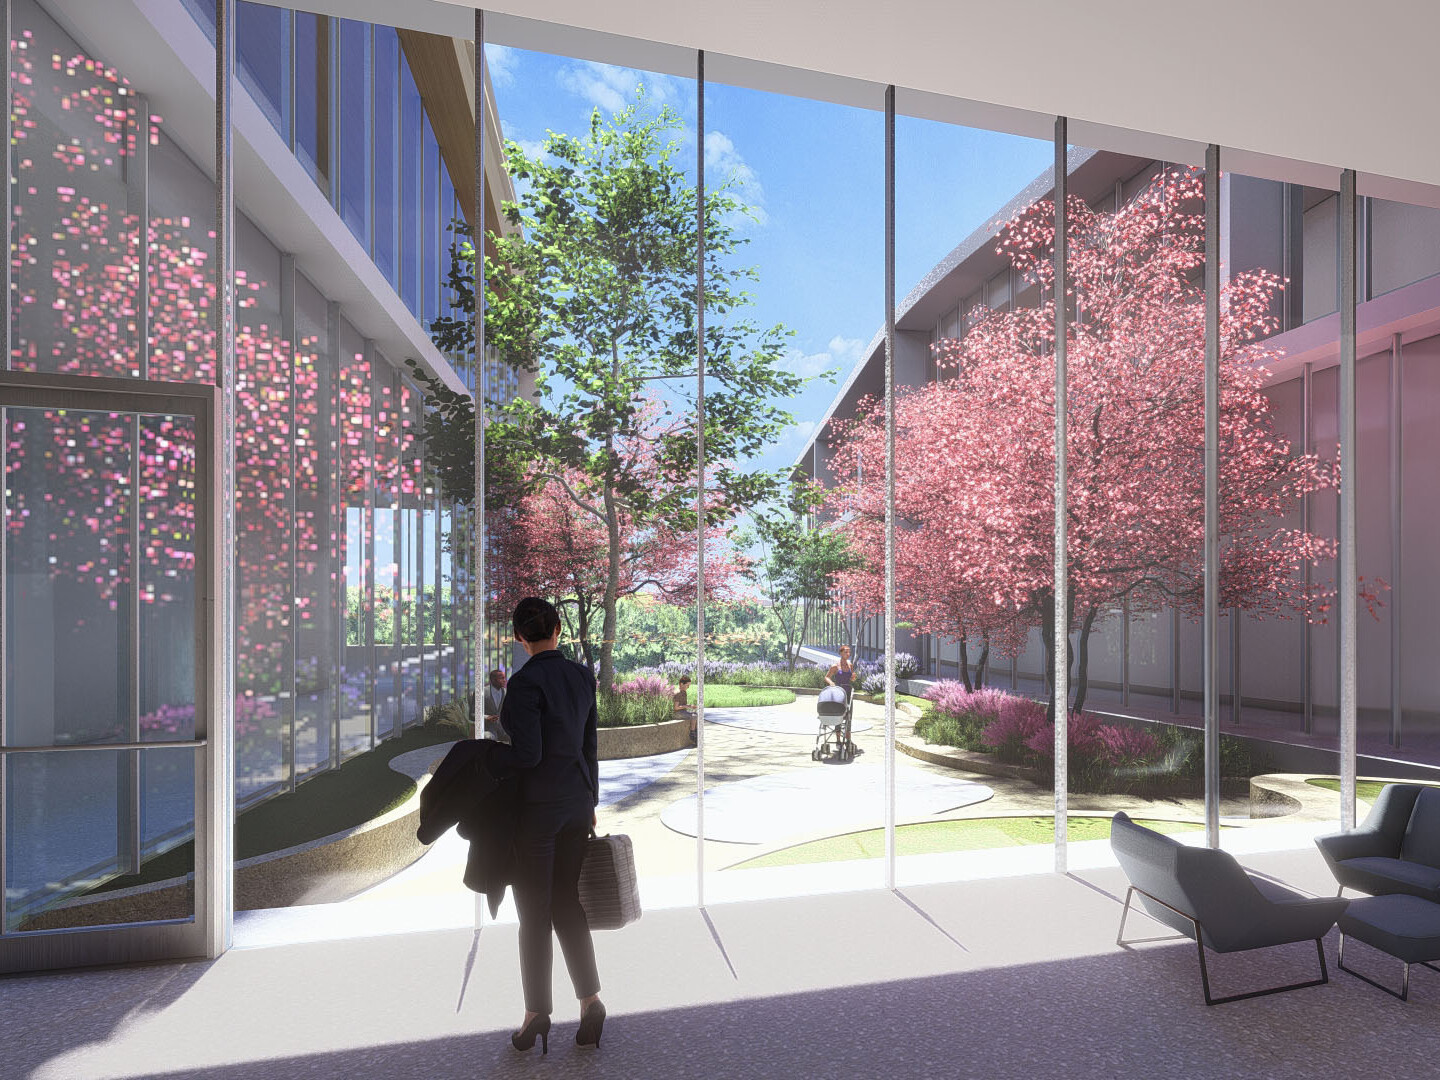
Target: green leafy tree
[(594, 292), (800, 563)]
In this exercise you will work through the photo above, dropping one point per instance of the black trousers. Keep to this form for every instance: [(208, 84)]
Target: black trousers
[(549, 848)]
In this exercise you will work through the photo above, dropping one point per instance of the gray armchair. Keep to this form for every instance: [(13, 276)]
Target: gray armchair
[(1396, 850), (1206, 895)]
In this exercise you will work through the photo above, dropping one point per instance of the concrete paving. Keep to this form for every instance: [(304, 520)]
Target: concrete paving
[(637, 793)]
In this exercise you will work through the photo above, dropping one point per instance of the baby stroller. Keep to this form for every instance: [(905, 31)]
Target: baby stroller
[(833, 739)]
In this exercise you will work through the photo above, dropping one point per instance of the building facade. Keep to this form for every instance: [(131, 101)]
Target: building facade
[(351, 574)]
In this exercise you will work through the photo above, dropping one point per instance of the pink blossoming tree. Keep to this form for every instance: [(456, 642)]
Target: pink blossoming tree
[(975, 454)]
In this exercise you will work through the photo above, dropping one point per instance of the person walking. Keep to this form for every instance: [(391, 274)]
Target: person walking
[(842, 672), (550, 714)]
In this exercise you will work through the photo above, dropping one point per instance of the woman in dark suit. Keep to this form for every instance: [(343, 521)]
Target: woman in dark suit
[(550, 715)]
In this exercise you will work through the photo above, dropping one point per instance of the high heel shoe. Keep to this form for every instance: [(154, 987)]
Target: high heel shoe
[(524, 1039), (588, 1033)]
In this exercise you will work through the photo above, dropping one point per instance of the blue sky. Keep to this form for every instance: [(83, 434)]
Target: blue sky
[(814, 173)]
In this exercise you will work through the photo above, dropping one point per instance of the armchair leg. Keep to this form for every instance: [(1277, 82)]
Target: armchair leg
[(1204, 969), (1120, 934), (1404, 992), (1205, 981)]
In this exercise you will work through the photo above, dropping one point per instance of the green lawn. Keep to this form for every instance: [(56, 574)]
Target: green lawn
[(362, 789), (1369, 790), (731, 696), (933, 837)]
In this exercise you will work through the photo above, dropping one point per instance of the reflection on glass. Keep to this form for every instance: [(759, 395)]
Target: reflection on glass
[(357, 447), (75, 123), (264, 521), (262, 60), (313, 74), (355, 165), (316, 596), (387, 157), (66, 815), (412, 160)]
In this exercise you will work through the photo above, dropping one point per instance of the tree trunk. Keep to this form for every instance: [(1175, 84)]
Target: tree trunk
[(611, 599), (1082, 660), (965, 665), (587, 651), (804, 629), (982, 668)]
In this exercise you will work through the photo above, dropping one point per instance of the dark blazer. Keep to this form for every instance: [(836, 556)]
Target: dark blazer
[(549, 714), (473, 790)]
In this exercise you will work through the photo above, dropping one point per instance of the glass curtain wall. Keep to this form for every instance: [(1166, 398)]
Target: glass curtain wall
[(109, 278), (353, 562), (340, 538), (974, 326), (1136, 346), (795, 799)]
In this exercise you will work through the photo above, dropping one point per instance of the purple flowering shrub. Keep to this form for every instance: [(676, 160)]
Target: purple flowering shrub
[(755, 673), (646, 685), (1102, 756)]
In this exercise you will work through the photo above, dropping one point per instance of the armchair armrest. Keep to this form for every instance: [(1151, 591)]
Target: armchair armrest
[(1356, 844)]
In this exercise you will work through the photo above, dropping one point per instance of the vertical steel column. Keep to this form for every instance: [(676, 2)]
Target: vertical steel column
[(478, 593), (1125, 653), (137, 198), (1348, 583), (422, 513), (1175, 659), (700, 477), (7, 29), (1397, 565), (397, 552), (1234, 666), (1060, 615), (437, 507), (1211, 627), (890, 487), (339, 533), (367, 540), (288, 336), (1307, 633), (222, 801)]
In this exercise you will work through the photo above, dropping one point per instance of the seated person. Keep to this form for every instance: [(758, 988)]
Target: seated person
[(494, 699), (842, 673), (682, 706)]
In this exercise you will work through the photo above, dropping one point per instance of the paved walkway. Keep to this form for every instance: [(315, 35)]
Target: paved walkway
[(648, 798)]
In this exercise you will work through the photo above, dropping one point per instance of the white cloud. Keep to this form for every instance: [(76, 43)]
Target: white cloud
[(847, 351), (726, 166), (840, 356), (800, 432), (610, 88), (534, 148), (502, 62)]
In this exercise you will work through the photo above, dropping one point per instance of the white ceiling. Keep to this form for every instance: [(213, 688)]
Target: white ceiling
[(1295, 89)]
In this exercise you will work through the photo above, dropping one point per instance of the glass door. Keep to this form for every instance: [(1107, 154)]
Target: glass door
[(111, 786)]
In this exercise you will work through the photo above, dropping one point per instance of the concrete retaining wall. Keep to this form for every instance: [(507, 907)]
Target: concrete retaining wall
[(643, 740)]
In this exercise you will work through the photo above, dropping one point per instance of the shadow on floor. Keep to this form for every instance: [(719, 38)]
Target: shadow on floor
[(1130, 1014)]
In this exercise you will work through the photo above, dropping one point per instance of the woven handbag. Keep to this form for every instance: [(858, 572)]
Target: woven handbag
[(609, 889)]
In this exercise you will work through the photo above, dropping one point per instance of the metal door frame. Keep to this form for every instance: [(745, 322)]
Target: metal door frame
[(205, 935)]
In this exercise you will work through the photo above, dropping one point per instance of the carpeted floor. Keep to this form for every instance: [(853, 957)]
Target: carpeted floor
[(997, 978)]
